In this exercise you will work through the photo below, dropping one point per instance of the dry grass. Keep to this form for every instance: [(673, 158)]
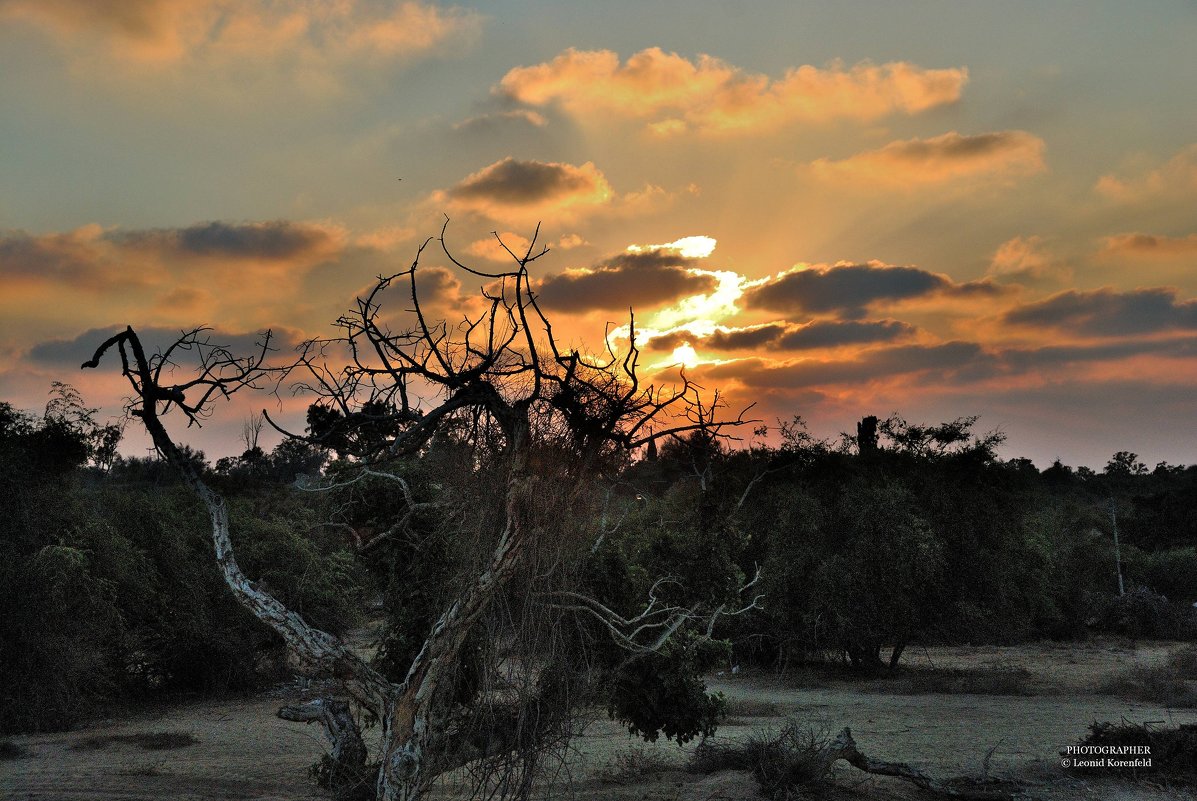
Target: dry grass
[(142, 770), (745, 711), (632, 765), (997, 680), (1171, 684), (782, 762)]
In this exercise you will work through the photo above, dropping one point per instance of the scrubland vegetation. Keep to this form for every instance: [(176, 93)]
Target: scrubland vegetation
[(927, 538)]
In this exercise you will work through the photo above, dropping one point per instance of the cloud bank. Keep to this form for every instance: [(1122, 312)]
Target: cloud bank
[(675, 94)]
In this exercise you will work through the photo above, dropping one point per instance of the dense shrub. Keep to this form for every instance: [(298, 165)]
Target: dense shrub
[(916, 534), (1143, 613), (56, 638), (661, 693), (110, 590), (1173, 750), (1171, 572), (783, 762)]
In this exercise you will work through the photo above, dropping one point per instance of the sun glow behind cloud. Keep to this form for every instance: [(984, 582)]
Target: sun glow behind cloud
[(691, 247), (697, 315), (684, 355), (703, 312), (896, 232)]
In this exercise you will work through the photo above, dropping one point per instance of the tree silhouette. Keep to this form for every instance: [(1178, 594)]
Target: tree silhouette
[(541, 421)]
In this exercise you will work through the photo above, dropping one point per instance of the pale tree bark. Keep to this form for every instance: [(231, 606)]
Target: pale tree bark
[(347, 760)]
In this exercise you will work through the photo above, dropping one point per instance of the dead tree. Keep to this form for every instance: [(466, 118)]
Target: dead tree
[(389, 392)]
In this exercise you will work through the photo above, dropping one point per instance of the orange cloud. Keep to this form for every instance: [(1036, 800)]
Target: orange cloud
[(1149, 246), (1026, 258), (388, 238), (940, 159), (1177, 176), (201, 31), (140, 30), (815, 335), (709, 95), (81, 259), (571, 241), (940, 362), (490, 248), (184, 300)]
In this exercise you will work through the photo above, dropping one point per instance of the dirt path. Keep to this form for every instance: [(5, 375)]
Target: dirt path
[(242, 752)]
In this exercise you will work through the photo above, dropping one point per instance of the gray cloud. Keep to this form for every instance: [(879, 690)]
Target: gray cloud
[(527, 182), (641, 279), (954, 146), (784, 336), (277, 240), (1108, 312), (94, 259), (76, 350), (498, 121), (850, 288), (829, 334), (1027, 359), (742, 338)]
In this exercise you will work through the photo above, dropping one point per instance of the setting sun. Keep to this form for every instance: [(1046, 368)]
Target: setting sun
[(684, 355)]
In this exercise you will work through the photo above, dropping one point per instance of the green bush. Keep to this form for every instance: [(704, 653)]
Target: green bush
[(56, 639), (661, 693)]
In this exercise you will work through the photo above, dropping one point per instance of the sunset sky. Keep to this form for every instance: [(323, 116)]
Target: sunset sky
[(832, 209)]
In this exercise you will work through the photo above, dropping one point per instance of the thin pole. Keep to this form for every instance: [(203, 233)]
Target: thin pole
[(1117, 547)]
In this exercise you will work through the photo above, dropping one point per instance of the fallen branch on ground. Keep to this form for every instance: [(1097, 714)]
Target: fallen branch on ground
[(983, 789)]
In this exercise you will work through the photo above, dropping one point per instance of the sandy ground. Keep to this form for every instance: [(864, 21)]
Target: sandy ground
[(242, 751)]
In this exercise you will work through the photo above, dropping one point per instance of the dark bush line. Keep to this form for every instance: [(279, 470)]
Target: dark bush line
[(10, 750), (781, 762), (147, 741)]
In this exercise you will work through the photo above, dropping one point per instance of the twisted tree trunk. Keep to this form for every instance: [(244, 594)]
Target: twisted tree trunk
[(347, 762), (414, 752)]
